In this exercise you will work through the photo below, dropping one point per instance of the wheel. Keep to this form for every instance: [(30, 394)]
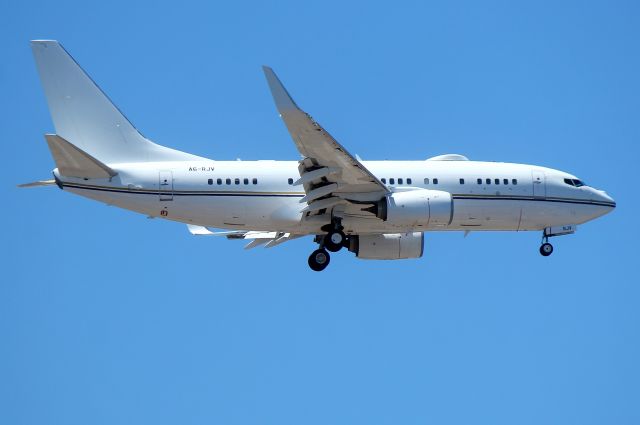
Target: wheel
[(546, 249), (319, 260), (334, 240)]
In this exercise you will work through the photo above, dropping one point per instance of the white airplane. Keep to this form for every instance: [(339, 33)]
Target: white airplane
[(375, 209)]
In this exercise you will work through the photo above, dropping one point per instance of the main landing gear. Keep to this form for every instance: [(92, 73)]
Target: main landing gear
[(333, 241), (319, 260)]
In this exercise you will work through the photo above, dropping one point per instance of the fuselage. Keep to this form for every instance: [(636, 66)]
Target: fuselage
[(259, 195), (376, 209)]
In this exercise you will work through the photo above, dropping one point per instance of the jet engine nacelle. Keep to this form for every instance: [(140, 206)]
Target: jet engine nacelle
[(394, 246), (420, 208)]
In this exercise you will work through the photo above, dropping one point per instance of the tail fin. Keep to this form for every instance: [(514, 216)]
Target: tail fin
[(83, 115)]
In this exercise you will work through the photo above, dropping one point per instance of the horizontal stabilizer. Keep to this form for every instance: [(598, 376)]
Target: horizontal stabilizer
[(74, 162), (38, 183)]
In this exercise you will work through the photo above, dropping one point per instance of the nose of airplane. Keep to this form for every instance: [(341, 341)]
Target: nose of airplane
[(606, 199)]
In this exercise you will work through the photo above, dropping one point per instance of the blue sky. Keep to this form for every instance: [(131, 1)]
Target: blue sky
[(107, 317)]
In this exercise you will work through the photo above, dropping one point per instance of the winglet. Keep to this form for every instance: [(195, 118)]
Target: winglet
[(281, 96)]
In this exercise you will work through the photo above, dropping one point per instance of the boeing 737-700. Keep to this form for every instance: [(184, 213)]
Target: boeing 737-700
[(375, 209)]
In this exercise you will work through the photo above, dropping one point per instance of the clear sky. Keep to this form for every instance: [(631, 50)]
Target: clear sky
[(107, 317)]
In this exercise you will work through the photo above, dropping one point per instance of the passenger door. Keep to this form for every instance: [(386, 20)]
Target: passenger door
[(539, 184)]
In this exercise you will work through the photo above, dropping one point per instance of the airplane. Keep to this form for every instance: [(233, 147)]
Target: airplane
[(375, 209)]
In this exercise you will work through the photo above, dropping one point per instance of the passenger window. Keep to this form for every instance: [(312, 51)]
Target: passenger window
[(255, 181), (426, 181), (228, 181), (461, 181), (237, 181), (488, 181), (290, 181), (514, 182), (409, 181), (497, 181), (505, 181), (435, 181), (219, 181), (399, 181), (210, 181), (479, 181), (383, 180), (392, 181)]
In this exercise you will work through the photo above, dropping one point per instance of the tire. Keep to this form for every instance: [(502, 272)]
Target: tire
[(546, 249), (334, 240), (319, 260)]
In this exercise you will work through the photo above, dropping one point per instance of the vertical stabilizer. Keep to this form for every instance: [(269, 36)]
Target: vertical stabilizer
[(84, 116)]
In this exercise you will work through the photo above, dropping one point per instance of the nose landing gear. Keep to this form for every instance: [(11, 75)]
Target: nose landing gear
[(546, 249)]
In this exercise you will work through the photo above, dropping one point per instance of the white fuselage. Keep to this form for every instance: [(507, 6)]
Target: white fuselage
[(257, 195)]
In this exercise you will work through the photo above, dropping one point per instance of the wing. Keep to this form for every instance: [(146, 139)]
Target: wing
[(329, 173)]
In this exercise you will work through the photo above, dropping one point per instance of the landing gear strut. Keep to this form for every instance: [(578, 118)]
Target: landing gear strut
[(319, 260)]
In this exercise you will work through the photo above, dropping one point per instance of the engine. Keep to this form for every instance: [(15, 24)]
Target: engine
[(392, 246), (417, 208)]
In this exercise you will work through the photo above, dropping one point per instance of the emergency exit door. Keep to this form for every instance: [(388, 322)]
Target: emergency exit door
[(165, 186)]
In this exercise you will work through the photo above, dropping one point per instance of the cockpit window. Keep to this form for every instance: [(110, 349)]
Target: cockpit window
[(574, 182)]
